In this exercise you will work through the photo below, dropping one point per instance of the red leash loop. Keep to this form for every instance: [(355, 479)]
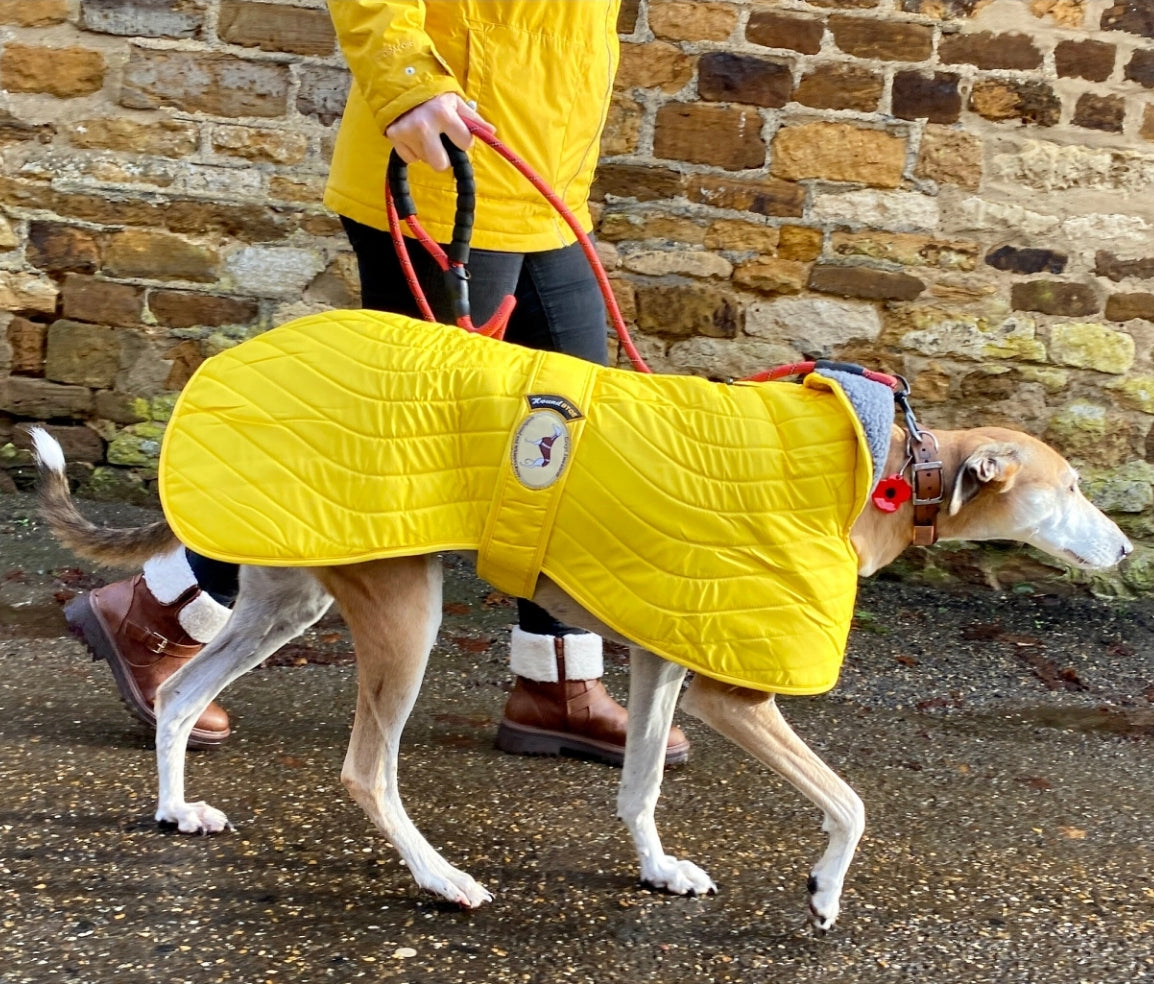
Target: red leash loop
[(615, 318)]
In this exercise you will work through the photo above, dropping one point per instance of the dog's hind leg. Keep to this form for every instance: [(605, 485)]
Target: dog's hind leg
[(274, 606), (752, 720), (393, 608), (654, 686)]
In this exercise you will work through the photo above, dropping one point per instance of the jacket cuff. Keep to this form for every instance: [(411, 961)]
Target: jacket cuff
[(426, 86)]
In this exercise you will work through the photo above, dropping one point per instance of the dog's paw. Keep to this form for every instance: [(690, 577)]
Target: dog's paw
[(824, 904), (194, 818), (453, 885), (677, 877)]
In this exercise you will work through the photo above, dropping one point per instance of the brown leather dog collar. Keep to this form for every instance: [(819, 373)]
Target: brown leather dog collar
[(928, 485)]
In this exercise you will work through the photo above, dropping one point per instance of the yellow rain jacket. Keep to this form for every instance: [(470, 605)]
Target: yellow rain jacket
[(708, 523), (540, 70)]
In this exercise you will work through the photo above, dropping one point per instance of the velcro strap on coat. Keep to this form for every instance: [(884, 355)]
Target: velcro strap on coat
[(520, 518)]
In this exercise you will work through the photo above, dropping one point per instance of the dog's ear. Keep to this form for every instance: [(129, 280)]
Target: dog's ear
[(995, 465)]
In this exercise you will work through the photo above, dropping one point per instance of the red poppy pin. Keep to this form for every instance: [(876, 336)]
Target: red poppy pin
[(891, 492)]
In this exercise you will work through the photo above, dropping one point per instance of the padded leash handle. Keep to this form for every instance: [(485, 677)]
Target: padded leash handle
[(398, 178), (454, 263)]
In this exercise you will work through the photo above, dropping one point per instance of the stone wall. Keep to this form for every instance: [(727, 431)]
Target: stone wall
[(957, 190)]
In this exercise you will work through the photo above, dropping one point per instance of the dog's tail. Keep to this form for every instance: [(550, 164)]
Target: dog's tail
[(105, 545)]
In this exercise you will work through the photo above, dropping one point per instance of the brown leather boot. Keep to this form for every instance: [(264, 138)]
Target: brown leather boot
[(144, 643), (572, 717)]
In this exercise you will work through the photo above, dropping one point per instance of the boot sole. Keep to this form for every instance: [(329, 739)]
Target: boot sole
[(86, 624), (519, 739)]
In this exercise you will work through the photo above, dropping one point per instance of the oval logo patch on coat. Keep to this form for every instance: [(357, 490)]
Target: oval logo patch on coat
[(541, 448)]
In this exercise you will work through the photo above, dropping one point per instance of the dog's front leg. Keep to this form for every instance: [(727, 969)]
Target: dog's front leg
[(654, 686), (752, 720), (274, 606)]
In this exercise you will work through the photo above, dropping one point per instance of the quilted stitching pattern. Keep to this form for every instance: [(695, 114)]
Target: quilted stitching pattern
[(710, 523)]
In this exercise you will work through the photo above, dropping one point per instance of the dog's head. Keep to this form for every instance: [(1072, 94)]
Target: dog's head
[(1010, 486)]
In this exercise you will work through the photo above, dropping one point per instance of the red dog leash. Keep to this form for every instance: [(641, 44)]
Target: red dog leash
[(453, 263)]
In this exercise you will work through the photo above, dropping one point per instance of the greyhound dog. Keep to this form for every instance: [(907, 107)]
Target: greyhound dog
[(996, 484)]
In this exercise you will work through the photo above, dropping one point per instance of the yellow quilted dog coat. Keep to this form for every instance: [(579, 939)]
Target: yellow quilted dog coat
[(707, 522)]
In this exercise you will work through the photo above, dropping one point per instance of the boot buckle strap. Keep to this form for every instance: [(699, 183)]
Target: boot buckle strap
[(160, 645), (154, 642)]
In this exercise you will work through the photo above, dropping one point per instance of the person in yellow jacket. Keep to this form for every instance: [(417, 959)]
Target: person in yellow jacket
[(541, 74)]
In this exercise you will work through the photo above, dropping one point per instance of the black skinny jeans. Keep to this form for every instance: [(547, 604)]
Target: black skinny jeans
[(559, 309)]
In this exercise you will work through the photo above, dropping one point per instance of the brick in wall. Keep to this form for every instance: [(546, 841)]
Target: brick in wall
[(841, 87), (1127, 307), (189, 309), (724, 136), (726, 77), (156, 255), (935, 97), (884, 38), (101, 301), (26, 339), (322, 92), (27, 293), (1140, 68), (1106, 264), (143, 18), (658, 65), (270, 146), (839, 152), (200, 82), (57, 247), (685, 310), (1133, 16), (692, 20), (865, 282), (1096, 112), (1054, 297), (943, 9), (777, 30), (34, 13), (641, 182), (845, 4), (62, 72), (82, 354), (1090, 60), (1026, 260), (18, 131), (1011, 99), (163, 138), (764, 196), (40, 399), (627, 17), (990, 51), (276, 27)]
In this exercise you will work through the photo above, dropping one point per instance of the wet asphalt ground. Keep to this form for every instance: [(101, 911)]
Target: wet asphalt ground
[(1002, 744)]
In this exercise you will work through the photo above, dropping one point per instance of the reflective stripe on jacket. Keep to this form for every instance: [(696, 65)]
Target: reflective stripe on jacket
[(541, 72)]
